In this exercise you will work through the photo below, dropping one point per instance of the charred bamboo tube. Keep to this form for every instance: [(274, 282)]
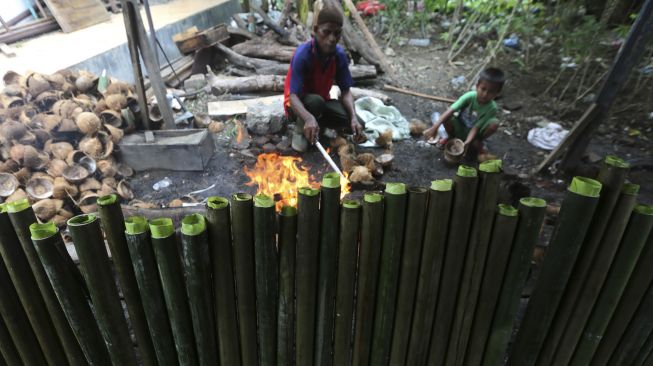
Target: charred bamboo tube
[(243, 237), (267, 272), (22, 216), (326, 282), (368, 272), (147, 277), (96, 268), (286, 317), (597, 273), (644, 352), (113, 225), (632, 243), (389, 265), (576, 214), (350, 217), (503, 233), (46, 239), (531, 217), (308, 231), (168, 262), (219, 228), (435, 239), (465, 187), (197, 273), (612, 176), (410, 261), (8, 351)]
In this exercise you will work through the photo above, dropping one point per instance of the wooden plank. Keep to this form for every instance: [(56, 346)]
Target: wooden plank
[(234, 107), (77, 14), (187, 33), (203, 39)]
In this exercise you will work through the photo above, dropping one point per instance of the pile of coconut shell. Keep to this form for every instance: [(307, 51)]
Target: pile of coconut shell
[(363, 168), (57, 139)]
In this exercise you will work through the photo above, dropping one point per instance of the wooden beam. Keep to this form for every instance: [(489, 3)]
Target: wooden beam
[(132, 42), (416, 94)]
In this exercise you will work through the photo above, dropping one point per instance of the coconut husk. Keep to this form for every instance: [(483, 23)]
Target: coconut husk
[(23, 175), (60, 150), (90, 184), (62, 188), (28, 139), (107, 168), (67, 126), (9, 166), (37, 84), (118, 87), (216, 127), (176, 203), (384, 139), (51, 122), (16, 153), (12, 130), (42, 136), (42, 175), (87, 202), (68, 89), (56, 80), (115, 133), (45, 101), (11, 77), (8, 102), (347, 149), (116, 101), (125, 190), (39, 188), (125, 170), (85, 81), (417, 127), (47, 208), (360, 174), (56, 167), (348, 162), (92, 146), (88, 122), (110, 182), (18, 194), (100, 107), (8, 184), (33, 158), (142, 204), (367, 159), (75, 173), (111, 117), (385, 160), (337, 142)]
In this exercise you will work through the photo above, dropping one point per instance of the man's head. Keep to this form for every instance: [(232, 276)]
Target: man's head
[(489, 85), (328, 29)]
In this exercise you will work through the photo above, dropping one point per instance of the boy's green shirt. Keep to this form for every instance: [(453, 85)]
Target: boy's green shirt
[(472, 113)]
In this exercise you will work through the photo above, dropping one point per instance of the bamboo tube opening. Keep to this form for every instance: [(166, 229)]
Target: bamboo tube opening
[(644, 209), (261, 200), (43, 231), (135, 225), (80, 220), (395, 188), (107, 200), (161, 228), (308, 191), (417, 189), (532, 202), (288, 211), (18, 206), (442, 185), (372, 197), (466, 171), (630, 189), (242, 197), (507, 210), (194, 224), (490, 166), (331, 180), (353, 204), (217, 203), (585, 187), (616, 161)]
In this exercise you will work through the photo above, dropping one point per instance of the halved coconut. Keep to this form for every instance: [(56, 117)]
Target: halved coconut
[(56, 167), (41, 136), (90, 184), (116, 133), (13, 90), (92, 146), (87, 202), (51, 122), (8, 184), (56, 80), (100, 107), (107, 168), (111, 117), (129, 120), (11, 77), (9, 166), (28, 139), (118, 87), (60, 150), (216, 127), (75, 173), (85, 81), (67, 125), (110, 182), (66, 108), (142, 204), (23, 175), (367, 159), (385, 159), (116, 101), (88, 122), (74, 157), (88, 163), (16, 153), (27, 113), (125, 170), (19, 194), (42, 175), (33, 158), (106, 190), (47, 208), (39, 188), (37, 84), (46, 100), (125, 190), (13, 130), (9, 102), (63, 188)]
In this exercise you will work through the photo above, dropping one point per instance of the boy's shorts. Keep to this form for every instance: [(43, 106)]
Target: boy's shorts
[(461, 131)]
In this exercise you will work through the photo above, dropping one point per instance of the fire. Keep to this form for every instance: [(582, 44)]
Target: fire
[(241, 132)]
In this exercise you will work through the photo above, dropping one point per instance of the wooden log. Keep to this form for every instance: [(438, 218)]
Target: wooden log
[(247, 62), (259, 48), (385, 65), (257, 83), (285, 36), (421, 95), (360, 93), (238, 32), (39, 27)]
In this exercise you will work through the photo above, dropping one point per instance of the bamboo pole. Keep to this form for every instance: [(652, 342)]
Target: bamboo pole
[(197, 275), (8, 351), (576, 214), (326, 281), (147, 277), (350, 218), (368, 269), (644, 352), (113, 225), (286, 317), (308, 231), (435, 238), (166, 252), (224, 293), (46, 239), (96, 268), (389, 265), (531, 217)]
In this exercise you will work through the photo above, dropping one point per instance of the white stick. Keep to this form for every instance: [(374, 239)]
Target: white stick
[(330, 161)]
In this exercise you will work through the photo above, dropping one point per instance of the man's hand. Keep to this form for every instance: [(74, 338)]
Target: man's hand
[(311, 130), (356, 127)]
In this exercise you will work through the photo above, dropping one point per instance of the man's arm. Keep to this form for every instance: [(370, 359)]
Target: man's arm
[(311, 128), (348, 103)]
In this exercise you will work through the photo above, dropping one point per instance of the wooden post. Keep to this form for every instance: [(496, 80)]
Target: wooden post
[(132, 42)]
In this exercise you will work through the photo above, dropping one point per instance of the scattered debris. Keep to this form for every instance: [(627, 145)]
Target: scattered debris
[(163, 183), (548, 137)]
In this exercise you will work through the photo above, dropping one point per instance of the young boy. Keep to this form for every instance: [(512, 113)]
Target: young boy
[(476, 120)]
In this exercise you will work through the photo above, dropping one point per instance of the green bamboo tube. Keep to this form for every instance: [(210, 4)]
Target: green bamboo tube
[(604, 310), (326, 280), (597, 273), (576, 214), (219, 229), (22, 216), (166, 252), (197, 273), (479, 239), (242, 223), (286, 317), (465, 188), (435, 240), (410, 261), (389, 265), (113, 225), (147, 277), (308, 231), (350, 217), (8, 351), (267, 280), (46, 238), (531, 217), (96, 268), (612, 177), (644, 352), (503, 234), (368, 270)]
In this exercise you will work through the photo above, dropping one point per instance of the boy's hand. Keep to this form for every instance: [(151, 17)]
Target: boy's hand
[(429, 133)]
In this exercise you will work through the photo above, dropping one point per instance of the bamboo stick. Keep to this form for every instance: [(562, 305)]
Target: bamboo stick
[(219, 229), (286, 317), (644, 352), (8, 351), (197, 275), (435, 238), (147, 277), (390, 263)]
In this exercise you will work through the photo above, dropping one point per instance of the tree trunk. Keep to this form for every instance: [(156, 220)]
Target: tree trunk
[(257, 83)]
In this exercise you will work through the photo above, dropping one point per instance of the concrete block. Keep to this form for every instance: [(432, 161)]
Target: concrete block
[(264, 119)]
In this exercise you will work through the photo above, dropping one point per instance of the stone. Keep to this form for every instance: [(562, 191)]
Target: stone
[(269, 148), (261, 140), (195, 82), (265, 119)]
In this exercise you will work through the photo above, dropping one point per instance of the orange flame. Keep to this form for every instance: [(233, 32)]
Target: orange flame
[(241, 132)]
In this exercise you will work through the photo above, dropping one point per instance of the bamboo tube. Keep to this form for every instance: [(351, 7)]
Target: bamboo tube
[(576, 214), (113, 225), (286, 317), (612, 177), (350, 217), (389, 265), (488, 192), (531, 217), (96, 268), (308, 230), (410, 261), (168, 262), (326, 280), (46, 238), (644, 352), (22, 216), (197, 273), (435, 239), (597, 273), (8, 351), (503, 234), (368, 269), (465, 184), (630, 249), (219, 228), (635, 336), (147, 277), (242, 223), (267, 280)]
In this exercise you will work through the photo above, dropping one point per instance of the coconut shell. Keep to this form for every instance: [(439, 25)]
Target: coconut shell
[(67, 125), (116, 101), (384, 139), (100, 107), (347, 149), (111, 117), (216, 127), (12, 130), (23, 175), (92, 146), (56, 167), (46, 100), (17, 152), (110, 182), (26, 115), (74, 157), (28, 139), (60, 150), (337, 142), (88, 123), (8, 184), (85, 82), (417, 127), (347, 162), (118, 87), (142, 204), (367, 159), (385, 159), (19, 194), (90, 184), (42, 175), (62, 188), (9, 166), (33, 158), (14, 90), (360, 174), (59, 220), (106, 190), (56, 80), (125, 170), (65, 213), (47, 209), (88, 202), (37, 84), (75, 173), (125, 190), (11, 77), (115, 133), (176, 203), (107, 168), (42, 136), (39, 188), (52, 122)]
